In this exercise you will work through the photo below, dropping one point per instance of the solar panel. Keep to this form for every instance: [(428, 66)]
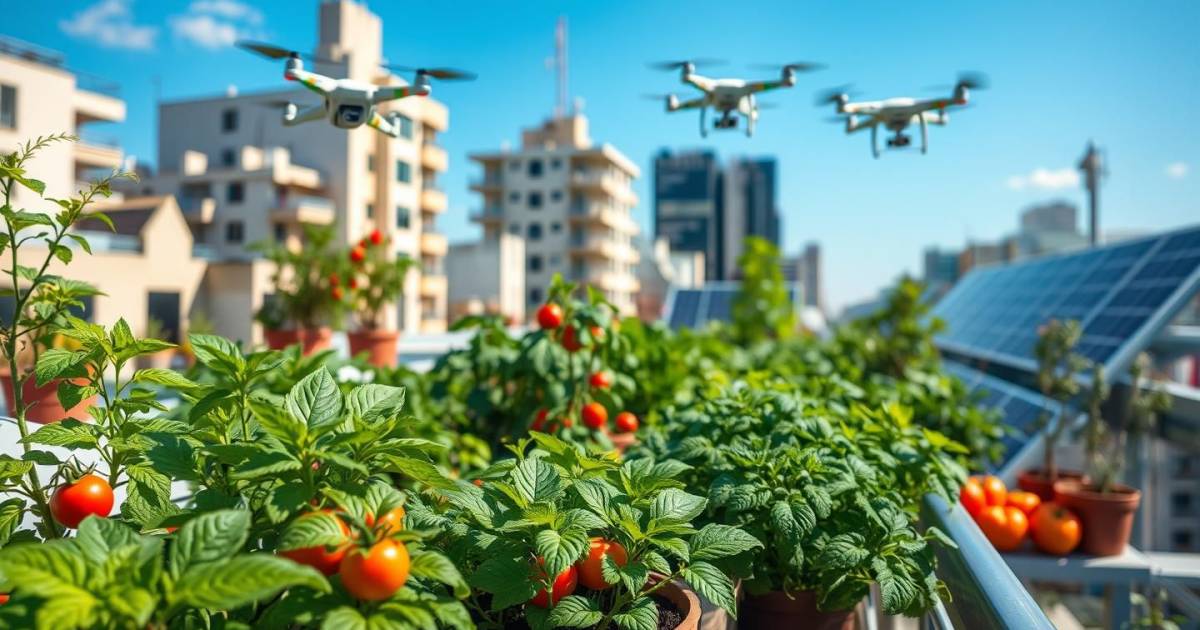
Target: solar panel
[(1019, 408), (1121, 294), (694, 308)]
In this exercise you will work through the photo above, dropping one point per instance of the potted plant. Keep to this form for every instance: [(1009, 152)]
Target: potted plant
[(832, 505), (1106, 506), (375, 280), (560, 538), (1058, 368), (303, 305)]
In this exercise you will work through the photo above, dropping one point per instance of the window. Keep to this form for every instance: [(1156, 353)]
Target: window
[(163, 306), (535, 232), (555, 164), (280, 232), (535, 168), (235, 193), (406, 126), (535, 296), (403, 172), (556, 227), (556, 195), (1181, 503), (514, 228), (229, 120), (1181, 540), (228, 157), (535, 200), (514, 197), (402, 217), (370, 163), (234, 232), (535, 263), (370, 211), (8, 106)]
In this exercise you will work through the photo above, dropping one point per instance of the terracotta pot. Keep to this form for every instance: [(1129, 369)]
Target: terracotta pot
[(622, 441), (41, 403), (778, 609), (684, 599), (1033, 480), (311, 339), (380, 346), (1107, 516)]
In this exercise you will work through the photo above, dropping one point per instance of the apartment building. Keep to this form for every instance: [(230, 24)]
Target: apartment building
[(242, 176), (572, 201), (487, 277)]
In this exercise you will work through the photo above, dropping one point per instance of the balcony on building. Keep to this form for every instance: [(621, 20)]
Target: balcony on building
[(584, 210), (433, 198), (488, 214), (433, 243), (198, 210), (96, 100), (97, 151), (433, 285), (297, 208), (434, 157)]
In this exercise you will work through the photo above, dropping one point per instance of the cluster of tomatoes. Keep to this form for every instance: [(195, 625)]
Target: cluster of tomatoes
[(372, 571), (358, 254), (593, 415), (1008, 517), (587, 572)]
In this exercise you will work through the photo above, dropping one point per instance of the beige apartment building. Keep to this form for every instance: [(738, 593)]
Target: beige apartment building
[(243, 177), (487, 277), (572, 201)]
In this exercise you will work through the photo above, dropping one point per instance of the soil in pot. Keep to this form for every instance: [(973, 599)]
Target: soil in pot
[(1035, 481), (380, 346), (1107, 516), (42, 404), (792, 610)]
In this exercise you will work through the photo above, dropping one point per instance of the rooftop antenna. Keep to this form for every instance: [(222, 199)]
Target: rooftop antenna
[(1092, 165), (560, 67)]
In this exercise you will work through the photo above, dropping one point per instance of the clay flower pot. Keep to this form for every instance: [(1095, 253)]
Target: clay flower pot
[(1035, 481), (1107, 516), (380, 346), (778, 609), (41, 403), (683, 598), (311, 339)]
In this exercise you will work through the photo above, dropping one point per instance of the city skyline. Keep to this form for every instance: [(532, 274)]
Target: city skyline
[(1017, 146)]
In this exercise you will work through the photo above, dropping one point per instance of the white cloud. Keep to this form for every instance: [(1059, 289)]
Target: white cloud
[(1177, 170), (216, 23), (1045, 179), (109, 23)]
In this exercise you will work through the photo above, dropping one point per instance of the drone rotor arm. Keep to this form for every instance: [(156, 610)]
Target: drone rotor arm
[(391, 93), (314, 82)]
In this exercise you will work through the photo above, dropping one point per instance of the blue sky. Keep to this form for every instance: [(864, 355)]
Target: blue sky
[(1123, 73)]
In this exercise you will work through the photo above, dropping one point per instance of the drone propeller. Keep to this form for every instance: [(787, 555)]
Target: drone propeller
[(445, 74), (795, 66), (831, 95), (269, 51), (675, 65), (969, 80)]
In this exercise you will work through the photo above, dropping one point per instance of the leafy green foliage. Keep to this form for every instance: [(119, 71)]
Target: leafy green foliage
[(762, 309)]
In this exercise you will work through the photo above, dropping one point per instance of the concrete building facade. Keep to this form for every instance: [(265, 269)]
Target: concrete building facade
[(572, 202), (242, 176), (487, 277)]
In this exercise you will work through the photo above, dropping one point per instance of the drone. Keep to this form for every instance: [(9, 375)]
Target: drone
[(347, 103), (896, 114), (727, 97)]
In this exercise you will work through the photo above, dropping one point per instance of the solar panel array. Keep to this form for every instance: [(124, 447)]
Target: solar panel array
[(1115, 292), (694, 308), (1019, 407)]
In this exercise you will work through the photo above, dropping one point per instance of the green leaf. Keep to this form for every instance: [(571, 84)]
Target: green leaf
[(11, 468), (819, 499), (42, 458), (372, 401), (55, 362), (11, 512), (536, 480), (44, 569), (574, 611), (243, 580), (68, 433), (715, 541), (434, 566), (676, 505), (81, 241), (714, 585), (842, 552), (63, 253), (560, 549), (344, 618), (642, 614), (316, 399), (98, 538), (421, 470), (210, 537), (508, 580), (265, 463), (316, 529), (167, 378), (897, 590)]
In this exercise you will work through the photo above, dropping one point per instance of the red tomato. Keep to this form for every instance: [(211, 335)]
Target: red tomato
[(597, 333), (376, 237), (391, 522), (1004, 526), (358, 254), (570, 340), (478, 483), (321, 558), (994, 490), (600, 380), (550, 316), (337, 294), (3, 598), (590, 574), (1055, 529), (334, 280), (564, 584), (89, 495), (1027, 502), (626, 422), (594, 415), (539, 422), (568, 422), (353, 282), (972, 497), (376, 573)]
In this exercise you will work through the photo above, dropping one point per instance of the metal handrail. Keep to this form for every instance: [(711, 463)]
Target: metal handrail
[(984, 592)]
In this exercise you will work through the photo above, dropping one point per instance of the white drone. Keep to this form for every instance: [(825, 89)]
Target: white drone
[(348, 103), (726, 96), (896, 114)]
